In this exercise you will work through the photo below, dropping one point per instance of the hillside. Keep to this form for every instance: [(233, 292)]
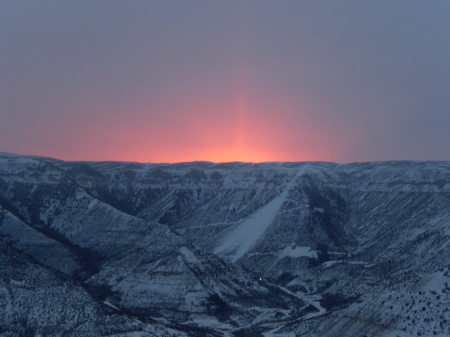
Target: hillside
[(235, 249)]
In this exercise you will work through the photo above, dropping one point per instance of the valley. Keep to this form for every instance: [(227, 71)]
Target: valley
[(233, 249)]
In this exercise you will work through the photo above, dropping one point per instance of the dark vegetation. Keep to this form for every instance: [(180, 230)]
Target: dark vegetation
[(216, 306), (196, 175), (252, 332), (328, 213), (33, 199), (78, 169), (99, 291), (334, 301), (322, 256), (180, 208)]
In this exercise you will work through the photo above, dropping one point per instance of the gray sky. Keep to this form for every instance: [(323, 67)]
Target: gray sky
[(226, 80)]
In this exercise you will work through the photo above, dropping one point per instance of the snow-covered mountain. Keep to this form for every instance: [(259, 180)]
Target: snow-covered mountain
[(235, 249)]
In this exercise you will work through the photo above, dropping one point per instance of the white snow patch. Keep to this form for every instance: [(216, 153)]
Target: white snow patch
[(436, 282), (17, 283), (92, 204), (109, 304), (189, 255), (245, 236), (293, 251), (80, 194), (359, 262), (209, 322), (328, 264)]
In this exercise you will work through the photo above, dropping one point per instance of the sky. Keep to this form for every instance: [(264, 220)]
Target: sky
[(174, 81)]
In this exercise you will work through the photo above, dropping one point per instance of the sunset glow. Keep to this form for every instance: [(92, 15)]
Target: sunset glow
[(256, 130)]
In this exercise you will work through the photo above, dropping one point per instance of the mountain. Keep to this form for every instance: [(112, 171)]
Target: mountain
[(234, 249)]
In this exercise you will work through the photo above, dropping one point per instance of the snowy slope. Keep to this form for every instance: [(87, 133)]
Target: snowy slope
[(245, 235), (310, 249)]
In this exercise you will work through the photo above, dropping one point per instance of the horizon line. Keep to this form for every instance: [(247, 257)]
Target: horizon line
[(212, 162)]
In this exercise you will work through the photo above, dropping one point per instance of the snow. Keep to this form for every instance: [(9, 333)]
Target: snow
[(275, 334), (209, 322), (359, 262), (399, 333), (293, 251), (189, 255), (92, 204), (109, 304), (245, 236), (436, 282), (329, 264), (17, 283), (149, 279)]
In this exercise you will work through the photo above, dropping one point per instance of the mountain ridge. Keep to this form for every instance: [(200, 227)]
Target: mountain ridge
[(339, 234), (3, 153)]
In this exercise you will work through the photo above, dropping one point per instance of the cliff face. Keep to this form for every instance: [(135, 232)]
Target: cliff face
[(200, 248)]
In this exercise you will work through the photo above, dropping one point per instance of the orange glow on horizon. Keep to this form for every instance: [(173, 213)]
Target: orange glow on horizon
[(241, 126), (248, 130)]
